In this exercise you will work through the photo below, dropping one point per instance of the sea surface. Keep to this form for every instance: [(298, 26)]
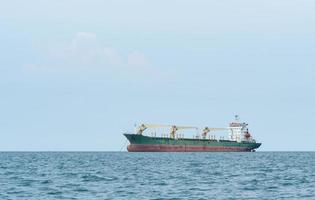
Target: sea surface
[(123, 175)]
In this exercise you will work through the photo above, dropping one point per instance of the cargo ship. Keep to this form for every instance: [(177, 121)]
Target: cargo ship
[(239, 139)]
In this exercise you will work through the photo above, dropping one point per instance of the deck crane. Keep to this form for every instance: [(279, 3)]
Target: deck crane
[(206, 130), (143, 127), (173, 128)]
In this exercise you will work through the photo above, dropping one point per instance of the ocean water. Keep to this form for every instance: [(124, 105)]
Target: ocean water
[(122, 175)]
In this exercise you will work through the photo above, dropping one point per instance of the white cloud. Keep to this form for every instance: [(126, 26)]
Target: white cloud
[(113, 56), (83, 38), (84, 51), (85, 35), (137, 59)]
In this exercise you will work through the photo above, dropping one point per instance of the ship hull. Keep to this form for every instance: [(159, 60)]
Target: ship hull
[(140, 143), (182, 148)]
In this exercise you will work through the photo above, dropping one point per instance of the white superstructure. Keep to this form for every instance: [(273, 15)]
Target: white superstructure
[(239, 131)]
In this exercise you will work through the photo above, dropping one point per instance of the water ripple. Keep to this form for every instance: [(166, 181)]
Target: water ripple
[(260, 175)]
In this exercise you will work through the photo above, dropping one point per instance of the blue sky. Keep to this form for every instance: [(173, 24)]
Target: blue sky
[(75, 75)]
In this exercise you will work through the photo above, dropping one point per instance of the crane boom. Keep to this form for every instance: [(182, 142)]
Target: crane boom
[(186, 127), (206, 130), (156, 125), (143, 127), (174, 128)]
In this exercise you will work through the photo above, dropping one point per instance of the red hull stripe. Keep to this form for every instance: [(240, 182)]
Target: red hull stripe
[(182, 148)]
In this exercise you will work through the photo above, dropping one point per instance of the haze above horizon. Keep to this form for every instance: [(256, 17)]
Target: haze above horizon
[(75, 75)]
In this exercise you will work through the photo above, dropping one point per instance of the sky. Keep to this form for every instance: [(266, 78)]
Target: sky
[(75, 75)]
